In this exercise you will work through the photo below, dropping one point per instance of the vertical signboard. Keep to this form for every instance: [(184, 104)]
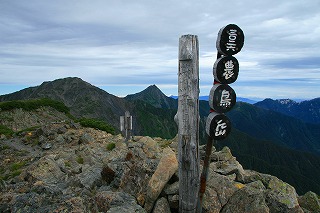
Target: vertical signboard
[(225, 71)]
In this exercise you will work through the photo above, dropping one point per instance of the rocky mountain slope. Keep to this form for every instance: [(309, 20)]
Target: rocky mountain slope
[(82, 98), (86, 100), (88, 170), (274, 147)]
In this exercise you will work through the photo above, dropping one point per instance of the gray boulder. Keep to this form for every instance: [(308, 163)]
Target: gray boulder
[(247, 199), (167, 166), (281, 197), (310, 202), (162, 206), (115, 202)]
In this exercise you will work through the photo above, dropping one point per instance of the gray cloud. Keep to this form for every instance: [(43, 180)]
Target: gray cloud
[(117, 42)]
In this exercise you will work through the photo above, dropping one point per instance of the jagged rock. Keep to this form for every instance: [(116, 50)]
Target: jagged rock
[(230, 167), (26, 202), (218, 191), (90, 176), (86, 138), (6, 200), (174, 144), (42, 139), (134, 180), (50, 190), (281, 197), (150, 147), (62, 130), (47, 131), (310, 202), (202, 151), (107, 174), (162, 206), (173, 201), (60, 139), (223, 155), (172, 189), (75, 125), (46, 170), (168, 165), (46, 146), (224, 186), (247, 199), (74, 204), (115, 202)]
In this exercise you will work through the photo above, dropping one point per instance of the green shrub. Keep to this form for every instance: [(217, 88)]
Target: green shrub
[(80, 160), (15, 173), (111, 146), (97, 124), (34, 104), (30, 129), (10, 175), (4, 147), (67, 164), (18, 165), (6, 131)]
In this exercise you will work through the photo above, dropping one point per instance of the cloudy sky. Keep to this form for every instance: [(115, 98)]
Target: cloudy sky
[(124, 46)]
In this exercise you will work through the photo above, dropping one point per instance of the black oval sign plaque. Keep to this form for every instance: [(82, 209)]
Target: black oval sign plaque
[(230, 40), (218, 126), (226, 70), (222, 98)]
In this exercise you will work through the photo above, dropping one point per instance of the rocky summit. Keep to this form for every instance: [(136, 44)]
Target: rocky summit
[(60, 166)]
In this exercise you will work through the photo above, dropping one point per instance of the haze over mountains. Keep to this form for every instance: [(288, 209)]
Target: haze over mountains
[(281, 138)]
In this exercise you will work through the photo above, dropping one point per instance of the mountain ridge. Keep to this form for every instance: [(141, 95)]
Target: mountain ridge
[(274, 126), (86, 100), (307, 111), (151, 120)]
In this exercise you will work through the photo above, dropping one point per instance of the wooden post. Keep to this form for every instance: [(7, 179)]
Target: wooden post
[(126, 125), (187, 119)]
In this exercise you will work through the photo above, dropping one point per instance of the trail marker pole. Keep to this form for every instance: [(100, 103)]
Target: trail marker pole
[(222, 97), (187, 119), (126, 125)]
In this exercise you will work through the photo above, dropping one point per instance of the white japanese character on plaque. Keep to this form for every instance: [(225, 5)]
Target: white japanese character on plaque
[(231, 45), (220, 129), (228, 69), (225, 98)]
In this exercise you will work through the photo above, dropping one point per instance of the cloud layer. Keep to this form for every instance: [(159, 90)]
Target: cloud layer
[(124, 46)]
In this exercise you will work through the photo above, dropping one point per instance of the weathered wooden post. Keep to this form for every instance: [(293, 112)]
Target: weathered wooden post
[(187, 119), (126, 125)]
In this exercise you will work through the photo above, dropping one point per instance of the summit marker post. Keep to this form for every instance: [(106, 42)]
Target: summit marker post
[(187, 119), (126, 125), (222, 97)]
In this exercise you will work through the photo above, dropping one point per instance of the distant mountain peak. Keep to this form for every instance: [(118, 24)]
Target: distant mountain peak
[(154, 96), (151, 91), (286, 101)]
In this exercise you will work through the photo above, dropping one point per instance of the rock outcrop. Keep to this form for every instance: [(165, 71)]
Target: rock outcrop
[(137, 176)]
